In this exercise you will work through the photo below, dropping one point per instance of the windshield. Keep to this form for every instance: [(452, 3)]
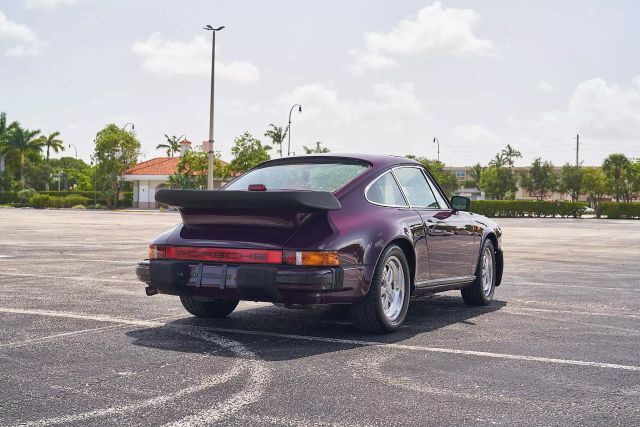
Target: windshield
[(300, 176)]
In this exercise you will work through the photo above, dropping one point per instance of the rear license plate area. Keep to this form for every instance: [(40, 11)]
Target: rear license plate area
[(211, 276)]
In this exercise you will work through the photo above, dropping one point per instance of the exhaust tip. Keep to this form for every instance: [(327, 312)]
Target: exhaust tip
[(150, 290)]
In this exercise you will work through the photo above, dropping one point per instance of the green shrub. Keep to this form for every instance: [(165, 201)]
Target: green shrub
[(521, 208), (56, 202), (78, 207), (613, 210), (25, 195), (8, 197), (39, 201), (73, 199)]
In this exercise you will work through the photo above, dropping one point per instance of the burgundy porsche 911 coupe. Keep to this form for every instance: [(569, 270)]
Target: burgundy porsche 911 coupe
[(368, 231)]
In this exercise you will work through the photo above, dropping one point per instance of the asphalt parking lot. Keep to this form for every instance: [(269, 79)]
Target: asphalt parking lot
[(81, 344)]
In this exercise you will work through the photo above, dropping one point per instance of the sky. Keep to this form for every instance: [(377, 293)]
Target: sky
[(373, 76)]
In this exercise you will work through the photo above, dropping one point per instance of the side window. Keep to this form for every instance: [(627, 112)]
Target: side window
[(385, 191), (439, 198), (416, 188)]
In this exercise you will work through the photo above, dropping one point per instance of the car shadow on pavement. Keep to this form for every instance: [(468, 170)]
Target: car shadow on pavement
[(275, 333)]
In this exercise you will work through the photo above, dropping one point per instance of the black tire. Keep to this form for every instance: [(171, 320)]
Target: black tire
[(208, 309), (476, 293), (368, 314)]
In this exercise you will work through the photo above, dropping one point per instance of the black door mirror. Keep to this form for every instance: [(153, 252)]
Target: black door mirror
[(460, 203)]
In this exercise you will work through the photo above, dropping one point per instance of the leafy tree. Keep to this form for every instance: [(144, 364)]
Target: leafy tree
[(616, 168), (116, 151), (247, 152), (172, 145), (21, 142), (4, 134), (277, 134), (571, 180), (540, 179), (446, 179), (79, 175), (52, 142), (317, 150), (498, 183), (633, 178), (474, 176), (509, 155), (192, 169), (595, 184)]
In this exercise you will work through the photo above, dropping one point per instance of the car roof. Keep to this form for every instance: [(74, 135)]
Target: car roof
[(377, 161)]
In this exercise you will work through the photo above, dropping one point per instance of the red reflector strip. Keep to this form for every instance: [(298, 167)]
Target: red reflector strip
[(240, 256)]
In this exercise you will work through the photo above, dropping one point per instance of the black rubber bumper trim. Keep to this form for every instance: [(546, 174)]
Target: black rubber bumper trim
[(142, 271), (253, 282)]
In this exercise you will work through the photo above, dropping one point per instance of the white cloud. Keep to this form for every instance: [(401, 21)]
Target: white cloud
[(21, 40), (597, 108), (46, 4), (321, 103), (166, 58), (434, 30), (544, 86), (476, 134), (369, 60)]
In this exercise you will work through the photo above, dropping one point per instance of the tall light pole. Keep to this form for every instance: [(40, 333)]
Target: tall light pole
[(75, 149), (211, 167), (133, 127), (289, 128), (95, 185), (437, 141)]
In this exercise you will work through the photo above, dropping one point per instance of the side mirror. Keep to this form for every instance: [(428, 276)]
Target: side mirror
[(460, 203)]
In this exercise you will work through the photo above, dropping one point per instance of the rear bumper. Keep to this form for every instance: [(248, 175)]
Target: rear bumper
[(273, 283)]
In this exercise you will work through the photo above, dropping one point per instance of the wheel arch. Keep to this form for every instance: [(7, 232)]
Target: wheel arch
[(498, 252), (407, 247)]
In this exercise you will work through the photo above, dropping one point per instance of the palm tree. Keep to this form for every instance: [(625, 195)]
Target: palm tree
[(498, 161), (510, 155), (277, 135), (172, 145), (318, 149), (475, 174), (22, 142), (52, 143), (615, 166)]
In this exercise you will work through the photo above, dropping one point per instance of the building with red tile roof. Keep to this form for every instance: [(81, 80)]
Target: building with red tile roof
[(149, 176)]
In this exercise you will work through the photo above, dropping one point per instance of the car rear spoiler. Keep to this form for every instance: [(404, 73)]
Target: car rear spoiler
[(304, 201)]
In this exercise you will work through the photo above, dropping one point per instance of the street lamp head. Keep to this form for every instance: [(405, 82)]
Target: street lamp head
[(299, 108), (210, 28), (435, 139)]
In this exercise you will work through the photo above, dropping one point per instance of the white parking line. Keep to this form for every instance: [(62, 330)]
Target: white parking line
[(555, 285), (49, 276), (361, 343), (581, 313)]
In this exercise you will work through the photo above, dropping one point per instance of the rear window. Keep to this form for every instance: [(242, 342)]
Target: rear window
[(300, 176)]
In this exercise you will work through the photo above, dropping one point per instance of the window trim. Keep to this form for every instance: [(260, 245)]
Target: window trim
[(433, 186), (427, 180), (389, 171)]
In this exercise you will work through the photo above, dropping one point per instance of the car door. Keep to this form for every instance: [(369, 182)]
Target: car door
[(450, 235), (385, 192)]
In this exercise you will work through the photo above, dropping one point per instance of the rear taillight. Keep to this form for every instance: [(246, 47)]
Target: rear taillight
[(157, 251), (311, 258), (245, 256)]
